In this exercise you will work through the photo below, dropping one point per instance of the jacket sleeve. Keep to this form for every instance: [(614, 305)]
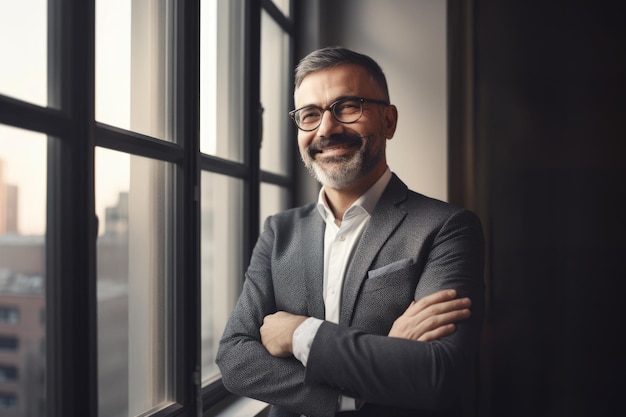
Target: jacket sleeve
[(246, 366), (411, 374)]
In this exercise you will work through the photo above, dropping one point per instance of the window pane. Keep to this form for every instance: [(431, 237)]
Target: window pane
[(274, 199), (274, 96), (8, 373), (23, 48), (221, 75), (22, 271), (134, 65), (135, 270), (221, 271)]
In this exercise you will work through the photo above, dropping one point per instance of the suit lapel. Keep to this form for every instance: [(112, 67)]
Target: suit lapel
[(312, 262), (385, 219)]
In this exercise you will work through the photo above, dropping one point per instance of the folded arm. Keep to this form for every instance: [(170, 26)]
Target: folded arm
[(427, 319), (247, 368), (411, 373), (420, 366)]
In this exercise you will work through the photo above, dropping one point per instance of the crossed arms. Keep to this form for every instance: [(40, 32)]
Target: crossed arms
[(425, 320), (419, 363)]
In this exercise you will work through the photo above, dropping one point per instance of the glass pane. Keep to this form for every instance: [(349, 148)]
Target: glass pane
[(221, 272), (134, 66), (135, 270), (23, 48), (275, 91), (283, 6), (221, 86), (274, 199), (22, 272)]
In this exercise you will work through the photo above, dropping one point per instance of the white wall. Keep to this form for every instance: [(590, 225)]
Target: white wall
[(408, 39)]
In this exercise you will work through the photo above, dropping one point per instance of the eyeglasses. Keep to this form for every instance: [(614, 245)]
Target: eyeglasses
[(345, 110)]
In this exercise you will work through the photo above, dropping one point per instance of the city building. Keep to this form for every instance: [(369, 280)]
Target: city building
[(22, 325)]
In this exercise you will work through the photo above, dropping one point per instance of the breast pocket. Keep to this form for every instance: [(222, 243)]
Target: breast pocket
[(389, 268), (385, 295)]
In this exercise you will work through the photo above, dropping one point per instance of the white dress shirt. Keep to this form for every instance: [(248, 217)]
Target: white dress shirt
[(341, 238)]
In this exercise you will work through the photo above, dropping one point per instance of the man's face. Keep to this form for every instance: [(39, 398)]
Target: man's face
[(341, 155)]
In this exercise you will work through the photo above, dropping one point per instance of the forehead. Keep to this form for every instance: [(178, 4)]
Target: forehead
[(323, 87)]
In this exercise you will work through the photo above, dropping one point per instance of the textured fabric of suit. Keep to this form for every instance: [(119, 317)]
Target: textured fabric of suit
[(413, 246)]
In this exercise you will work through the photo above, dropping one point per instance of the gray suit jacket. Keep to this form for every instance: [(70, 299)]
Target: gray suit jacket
[(414, 246)]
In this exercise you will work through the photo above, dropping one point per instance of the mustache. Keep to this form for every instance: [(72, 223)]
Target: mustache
[(335, 140)]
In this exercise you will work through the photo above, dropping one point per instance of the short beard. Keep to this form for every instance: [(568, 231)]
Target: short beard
[(342, 171)]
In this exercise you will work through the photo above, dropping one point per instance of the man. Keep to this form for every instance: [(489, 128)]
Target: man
[(359, 304)]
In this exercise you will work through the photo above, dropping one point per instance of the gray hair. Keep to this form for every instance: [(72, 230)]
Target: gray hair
[(333, 56)]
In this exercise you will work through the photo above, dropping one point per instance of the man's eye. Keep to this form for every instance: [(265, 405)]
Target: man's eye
[(347, 107), (309, 114)]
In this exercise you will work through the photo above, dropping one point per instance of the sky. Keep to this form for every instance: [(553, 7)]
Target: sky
[(23, 76), (23, 43)]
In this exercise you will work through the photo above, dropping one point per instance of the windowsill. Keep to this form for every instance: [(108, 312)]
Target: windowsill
[(233, 406)]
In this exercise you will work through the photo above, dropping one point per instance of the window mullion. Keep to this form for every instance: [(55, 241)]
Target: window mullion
[(187, 303), (252, 123), (70, 278)]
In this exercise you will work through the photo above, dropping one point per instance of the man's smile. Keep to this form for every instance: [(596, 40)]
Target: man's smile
[(335, 146)]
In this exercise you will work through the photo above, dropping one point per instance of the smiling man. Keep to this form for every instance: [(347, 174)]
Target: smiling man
[(343, 157), (370, 301)]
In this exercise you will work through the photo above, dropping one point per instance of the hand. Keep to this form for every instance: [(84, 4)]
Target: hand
[(431, 317), (277, 332)]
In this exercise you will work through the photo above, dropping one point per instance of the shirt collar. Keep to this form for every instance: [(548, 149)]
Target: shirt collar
[(367, 201)]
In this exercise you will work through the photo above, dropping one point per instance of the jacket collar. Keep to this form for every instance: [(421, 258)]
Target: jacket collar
[(385, 219)]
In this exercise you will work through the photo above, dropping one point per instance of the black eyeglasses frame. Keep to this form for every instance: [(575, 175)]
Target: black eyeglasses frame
[(331, 107)]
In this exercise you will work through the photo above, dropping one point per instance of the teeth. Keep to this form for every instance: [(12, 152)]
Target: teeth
[(336, 147)]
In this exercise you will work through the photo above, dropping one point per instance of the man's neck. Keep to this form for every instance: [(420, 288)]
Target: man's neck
[(340, 200)]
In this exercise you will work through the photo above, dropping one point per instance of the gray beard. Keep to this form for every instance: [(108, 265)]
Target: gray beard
[(342, 171), (339, 176)]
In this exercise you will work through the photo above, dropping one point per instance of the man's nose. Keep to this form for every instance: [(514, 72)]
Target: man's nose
[(329, 124)]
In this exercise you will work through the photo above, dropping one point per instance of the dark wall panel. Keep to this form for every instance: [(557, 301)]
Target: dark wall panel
[(550, 118)]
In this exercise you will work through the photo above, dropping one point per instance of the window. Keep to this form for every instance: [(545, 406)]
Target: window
[(275, 96), (8, 373), (134, 196), (239, 146), (222, 256), (135, 274), (7, 400), (139, 156), (278, 143), (10, 315), (8, 343), (22, 260), (23, 72)]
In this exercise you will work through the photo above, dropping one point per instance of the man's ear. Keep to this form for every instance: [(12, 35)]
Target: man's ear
[(391, 120)]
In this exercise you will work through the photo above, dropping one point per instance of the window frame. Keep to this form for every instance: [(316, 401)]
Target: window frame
[(249, 170), (73, 134)]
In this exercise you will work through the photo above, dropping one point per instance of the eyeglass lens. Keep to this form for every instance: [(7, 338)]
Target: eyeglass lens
[(345, 111)]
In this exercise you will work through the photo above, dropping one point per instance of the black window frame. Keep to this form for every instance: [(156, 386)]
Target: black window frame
[(250, 170), (73, 134)]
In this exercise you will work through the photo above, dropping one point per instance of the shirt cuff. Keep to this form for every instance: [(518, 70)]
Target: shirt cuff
[(346, 403), (303, 338)]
